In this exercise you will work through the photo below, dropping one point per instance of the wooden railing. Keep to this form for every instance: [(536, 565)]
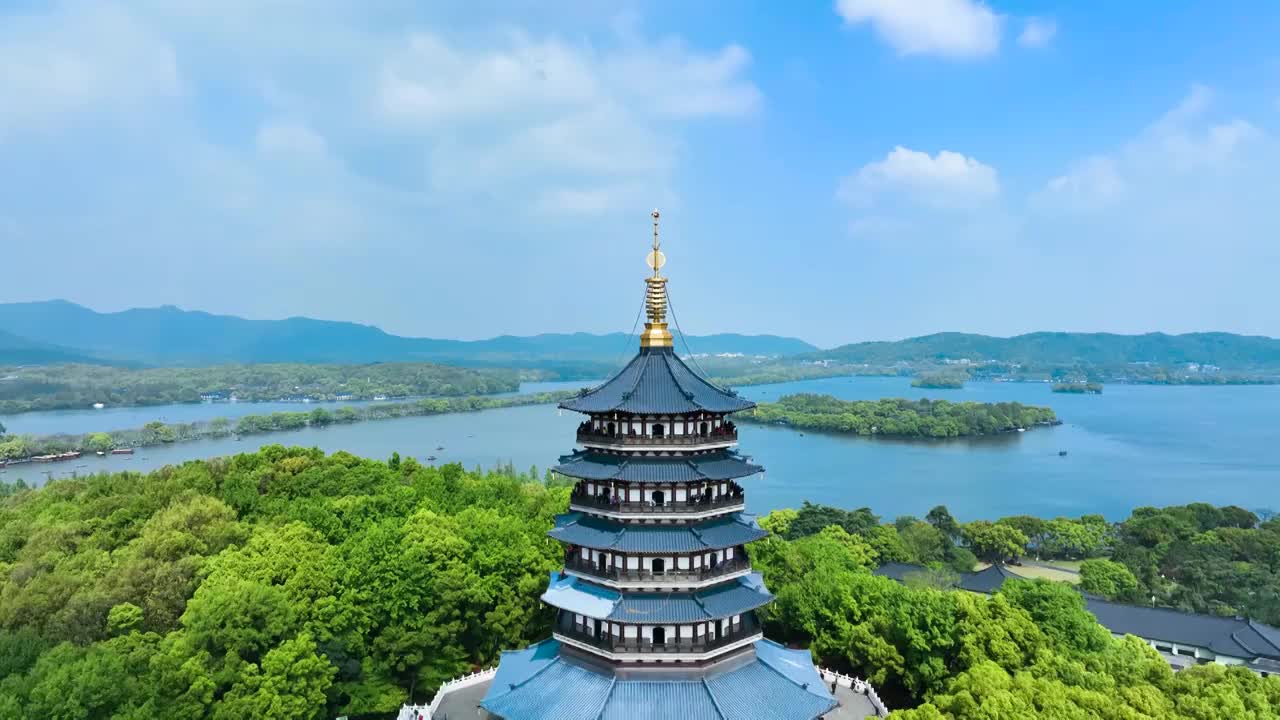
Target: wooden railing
[(577, 564), (744, 629), (604, 438), (734, 499)]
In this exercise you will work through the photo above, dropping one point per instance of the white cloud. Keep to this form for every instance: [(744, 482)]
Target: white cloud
[(945, 180), (1037, 33), (428, 80), (592, 125), (56, 67), (876, 227), (290, 138), (1181, 149), (949, 28), (1092, 182)]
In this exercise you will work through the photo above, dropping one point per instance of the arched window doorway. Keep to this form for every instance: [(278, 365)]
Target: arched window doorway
[(602, 563), (659, 430), (713, 561), (613, 429), (659, 636), (659, 566), (659, 497), (702, 428)]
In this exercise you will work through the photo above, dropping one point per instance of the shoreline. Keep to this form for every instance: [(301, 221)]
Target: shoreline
[(729, 382), (157, 434)]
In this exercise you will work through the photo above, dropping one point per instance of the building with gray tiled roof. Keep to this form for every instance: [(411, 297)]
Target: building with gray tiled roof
[(1182, 638)]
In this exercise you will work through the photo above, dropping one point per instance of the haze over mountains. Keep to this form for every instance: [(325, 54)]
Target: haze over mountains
[(1227, 350), (61, 331), (58, 331)]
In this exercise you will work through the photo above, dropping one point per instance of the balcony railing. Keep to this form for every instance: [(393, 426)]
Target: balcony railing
[(743, 630), (597, 502), (586, 435), (668, 577)]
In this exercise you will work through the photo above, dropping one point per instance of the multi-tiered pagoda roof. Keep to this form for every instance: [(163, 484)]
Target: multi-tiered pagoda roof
[(657, 382), (656, 603), (771, 683), (589, 531), (713, 465)]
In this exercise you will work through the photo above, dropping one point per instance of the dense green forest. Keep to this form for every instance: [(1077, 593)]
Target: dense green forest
[(945, 380), (898, 417), (1079, 388), (160, 433), (1029, 651), (59, 387), (1222, 561), (286, 584)]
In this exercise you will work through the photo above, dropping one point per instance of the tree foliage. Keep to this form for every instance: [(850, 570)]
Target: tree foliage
[(160, 433), (280, 584), (898, 417), (1108, 579), (994, 542), (57, 387), (290, 584)]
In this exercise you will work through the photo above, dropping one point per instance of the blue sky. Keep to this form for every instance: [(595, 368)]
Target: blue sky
[(864, 169)]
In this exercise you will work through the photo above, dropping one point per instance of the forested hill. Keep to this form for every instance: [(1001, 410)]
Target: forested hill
[(15, 350), (171, 336), (1226, 350)]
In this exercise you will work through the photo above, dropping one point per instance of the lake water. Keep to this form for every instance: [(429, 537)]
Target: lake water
[(1134, 445), (109, 419)]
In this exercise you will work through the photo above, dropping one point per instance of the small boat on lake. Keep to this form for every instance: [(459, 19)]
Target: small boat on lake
[(121, 451), (1062, 453)]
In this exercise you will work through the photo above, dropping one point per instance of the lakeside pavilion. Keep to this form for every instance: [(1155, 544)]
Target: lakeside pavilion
[(656, 603)]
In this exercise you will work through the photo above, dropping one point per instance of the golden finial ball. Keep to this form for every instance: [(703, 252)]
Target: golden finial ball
[(655, 213)]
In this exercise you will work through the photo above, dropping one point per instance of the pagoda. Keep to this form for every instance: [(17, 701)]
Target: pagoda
[(656, 602)]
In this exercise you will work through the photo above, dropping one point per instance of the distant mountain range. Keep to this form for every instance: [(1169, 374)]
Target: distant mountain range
[(61, 331), (15, 350), (1226, 350), (58, 331)]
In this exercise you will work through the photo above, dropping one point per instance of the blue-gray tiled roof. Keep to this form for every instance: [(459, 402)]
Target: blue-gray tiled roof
[(719, 465), (593, 532), (656, 382), (539, 683), (987, 581), (1236, 637), (732, 598)]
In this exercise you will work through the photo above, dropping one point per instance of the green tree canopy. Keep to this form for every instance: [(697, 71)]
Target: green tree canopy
[(1109, 579), (994, 542)]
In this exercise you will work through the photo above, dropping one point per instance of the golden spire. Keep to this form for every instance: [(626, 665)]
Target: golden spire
[(656, 334)]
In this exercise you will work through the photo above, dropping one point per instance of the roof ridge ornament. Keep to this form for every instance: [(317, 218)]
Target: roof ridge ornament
[(656, 334)]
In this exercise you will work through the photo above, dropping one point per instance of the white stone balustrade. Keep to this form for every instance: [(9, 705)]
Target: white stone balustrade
[(426, 712), (858, 685)]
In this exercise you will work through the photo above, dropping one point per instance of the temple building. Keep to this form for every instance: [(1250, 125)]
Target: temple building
[(655, 607)]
